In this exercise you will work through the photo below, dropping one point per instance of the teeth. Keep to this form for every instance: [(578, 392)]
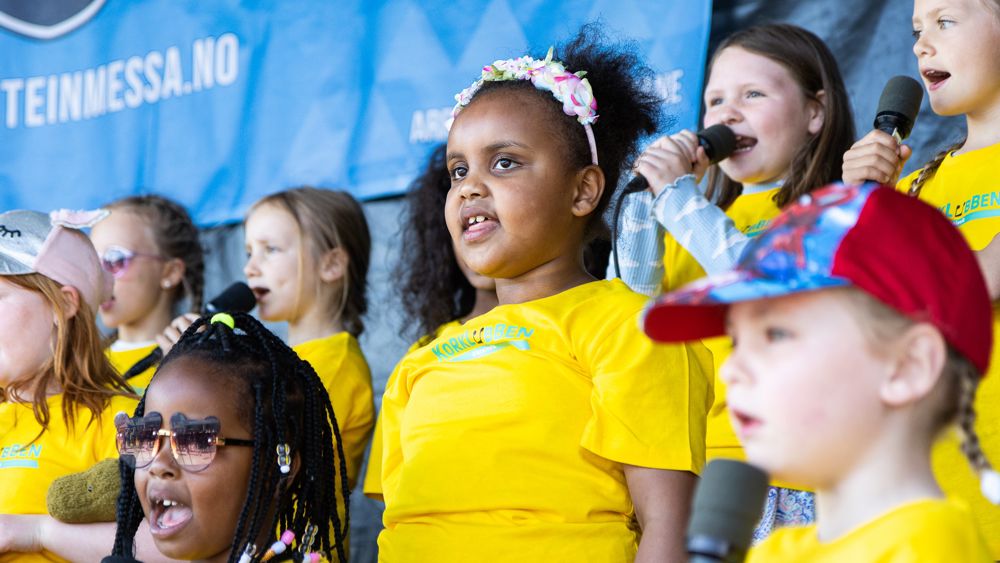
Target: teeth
[(169, 503), (476, 219)]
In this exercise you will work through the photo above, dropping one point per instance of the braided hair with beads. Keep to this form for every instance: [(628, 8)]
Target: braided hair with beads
[(287, 405)]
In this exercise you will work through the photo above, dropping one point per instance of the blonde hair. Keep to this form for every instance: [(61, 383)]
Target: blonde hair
[(958, 382), (329, 219), (77, 365)]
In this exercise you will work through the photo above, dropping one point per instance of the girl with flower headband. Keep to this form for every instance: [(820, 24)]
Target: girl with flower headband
[(58, 393), (547, 428)]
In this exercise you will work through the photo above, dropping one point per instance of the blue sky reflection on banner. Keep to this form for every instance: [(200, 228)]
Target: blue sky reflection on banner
[(216, 105)]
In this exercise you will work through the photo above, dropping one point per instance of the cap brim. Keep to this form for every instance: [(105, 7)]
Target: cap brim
[(698, 310)]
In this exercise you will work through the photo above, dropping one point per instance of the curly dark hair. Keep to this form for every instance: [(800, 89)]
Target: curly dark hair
[(434, 290), (627, 105), (284, 402)]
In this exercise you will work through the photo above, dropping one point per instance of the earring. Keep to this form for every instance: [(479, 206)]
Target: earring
[(167, 285)]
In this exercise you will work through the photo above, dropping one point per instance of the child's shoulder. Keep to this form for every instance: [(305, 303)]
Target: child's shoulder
[(925, 530)]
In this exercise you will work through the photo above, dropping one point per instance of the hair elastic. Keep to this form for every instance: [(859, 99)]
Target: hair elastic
[(570, 88), (224, 318)]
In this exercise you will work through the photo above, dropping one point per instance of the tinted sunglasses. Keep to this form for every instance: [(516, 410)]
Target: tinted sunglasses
[(116, 259), (193, 442)]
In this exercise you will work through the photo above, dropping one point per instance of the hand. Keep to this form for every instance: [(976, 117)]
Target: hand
[(669, 158), (174, 330), (21, 532), (877, 157)]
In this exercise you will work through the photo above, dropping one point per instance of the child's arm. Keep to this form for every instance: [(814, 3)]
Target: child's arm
[(662, 500), (877, 157), (989, 261), (639, 245), (673, 166), (700, 226), (85, 543)]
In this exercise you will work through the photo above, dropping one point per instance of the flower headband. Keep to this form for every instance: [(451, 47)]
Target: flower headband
[(572, 89)]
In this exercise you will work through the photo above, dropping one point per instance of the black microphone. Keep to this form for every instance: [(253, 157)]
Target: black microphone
[(718, 141), (237, 298), (728, 503), (898, 106)]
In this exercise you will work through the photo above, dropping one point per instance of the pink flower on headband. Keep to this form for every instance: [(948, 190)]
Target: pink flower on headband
[(577, 97)]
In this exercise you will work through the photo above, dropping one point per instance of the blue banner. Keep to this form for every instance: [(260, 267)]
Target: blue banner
[(216, 104)]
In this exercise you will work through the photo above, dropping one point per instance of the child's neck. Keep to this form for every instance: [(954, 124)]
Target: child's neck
[(983, 129), (895, 470), (147, 328), (550, 278), (485, 302), (312, 325)]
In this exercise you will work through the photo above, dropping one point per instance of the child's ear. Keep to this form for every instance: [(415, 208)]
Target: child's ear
[(71, 299), (173, 273), (916, 369), (589, 188), (817, 112), (333, 265)]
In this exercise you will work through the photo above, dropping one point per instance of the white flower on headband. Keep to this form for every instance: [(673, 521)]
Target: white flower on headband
[(572, 89)]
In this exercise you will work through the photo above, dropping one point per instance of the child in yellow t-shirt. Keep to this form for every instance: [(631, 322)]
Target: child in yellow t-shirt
[(58, 393), (779, 89), (851, 354), (547, 428), (251, 447), (151, 247), (436, 289), (307, 263), (956, 48)]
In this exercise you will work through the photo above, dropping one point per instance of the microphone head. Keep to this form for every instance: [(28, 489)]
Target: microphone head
[(728, 503), (237, 298), (900, 101), (719, 142)]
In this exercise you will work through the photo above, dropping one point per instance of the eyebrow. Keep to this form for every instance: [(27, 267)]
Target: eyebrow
[(505, 144), (932, 14)]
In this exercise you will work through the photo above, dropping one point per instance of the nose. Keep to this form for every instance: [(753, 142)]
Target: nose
[(923, 46), (163, 466), (250, 269), (734, 371), (726, 114), (471, 187)]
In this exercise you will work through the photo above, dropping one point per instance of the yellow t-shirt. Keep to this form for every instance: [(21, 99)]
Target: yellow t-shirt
[(123, 359), (966, 188), (751, 214), (938, 531), (504, 438), (28, 467), (372, 487), (344, 372)]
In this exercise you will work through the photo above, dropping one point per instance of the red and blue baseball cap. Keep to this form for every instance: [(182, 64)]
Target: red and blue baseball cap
[(894, 247)]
